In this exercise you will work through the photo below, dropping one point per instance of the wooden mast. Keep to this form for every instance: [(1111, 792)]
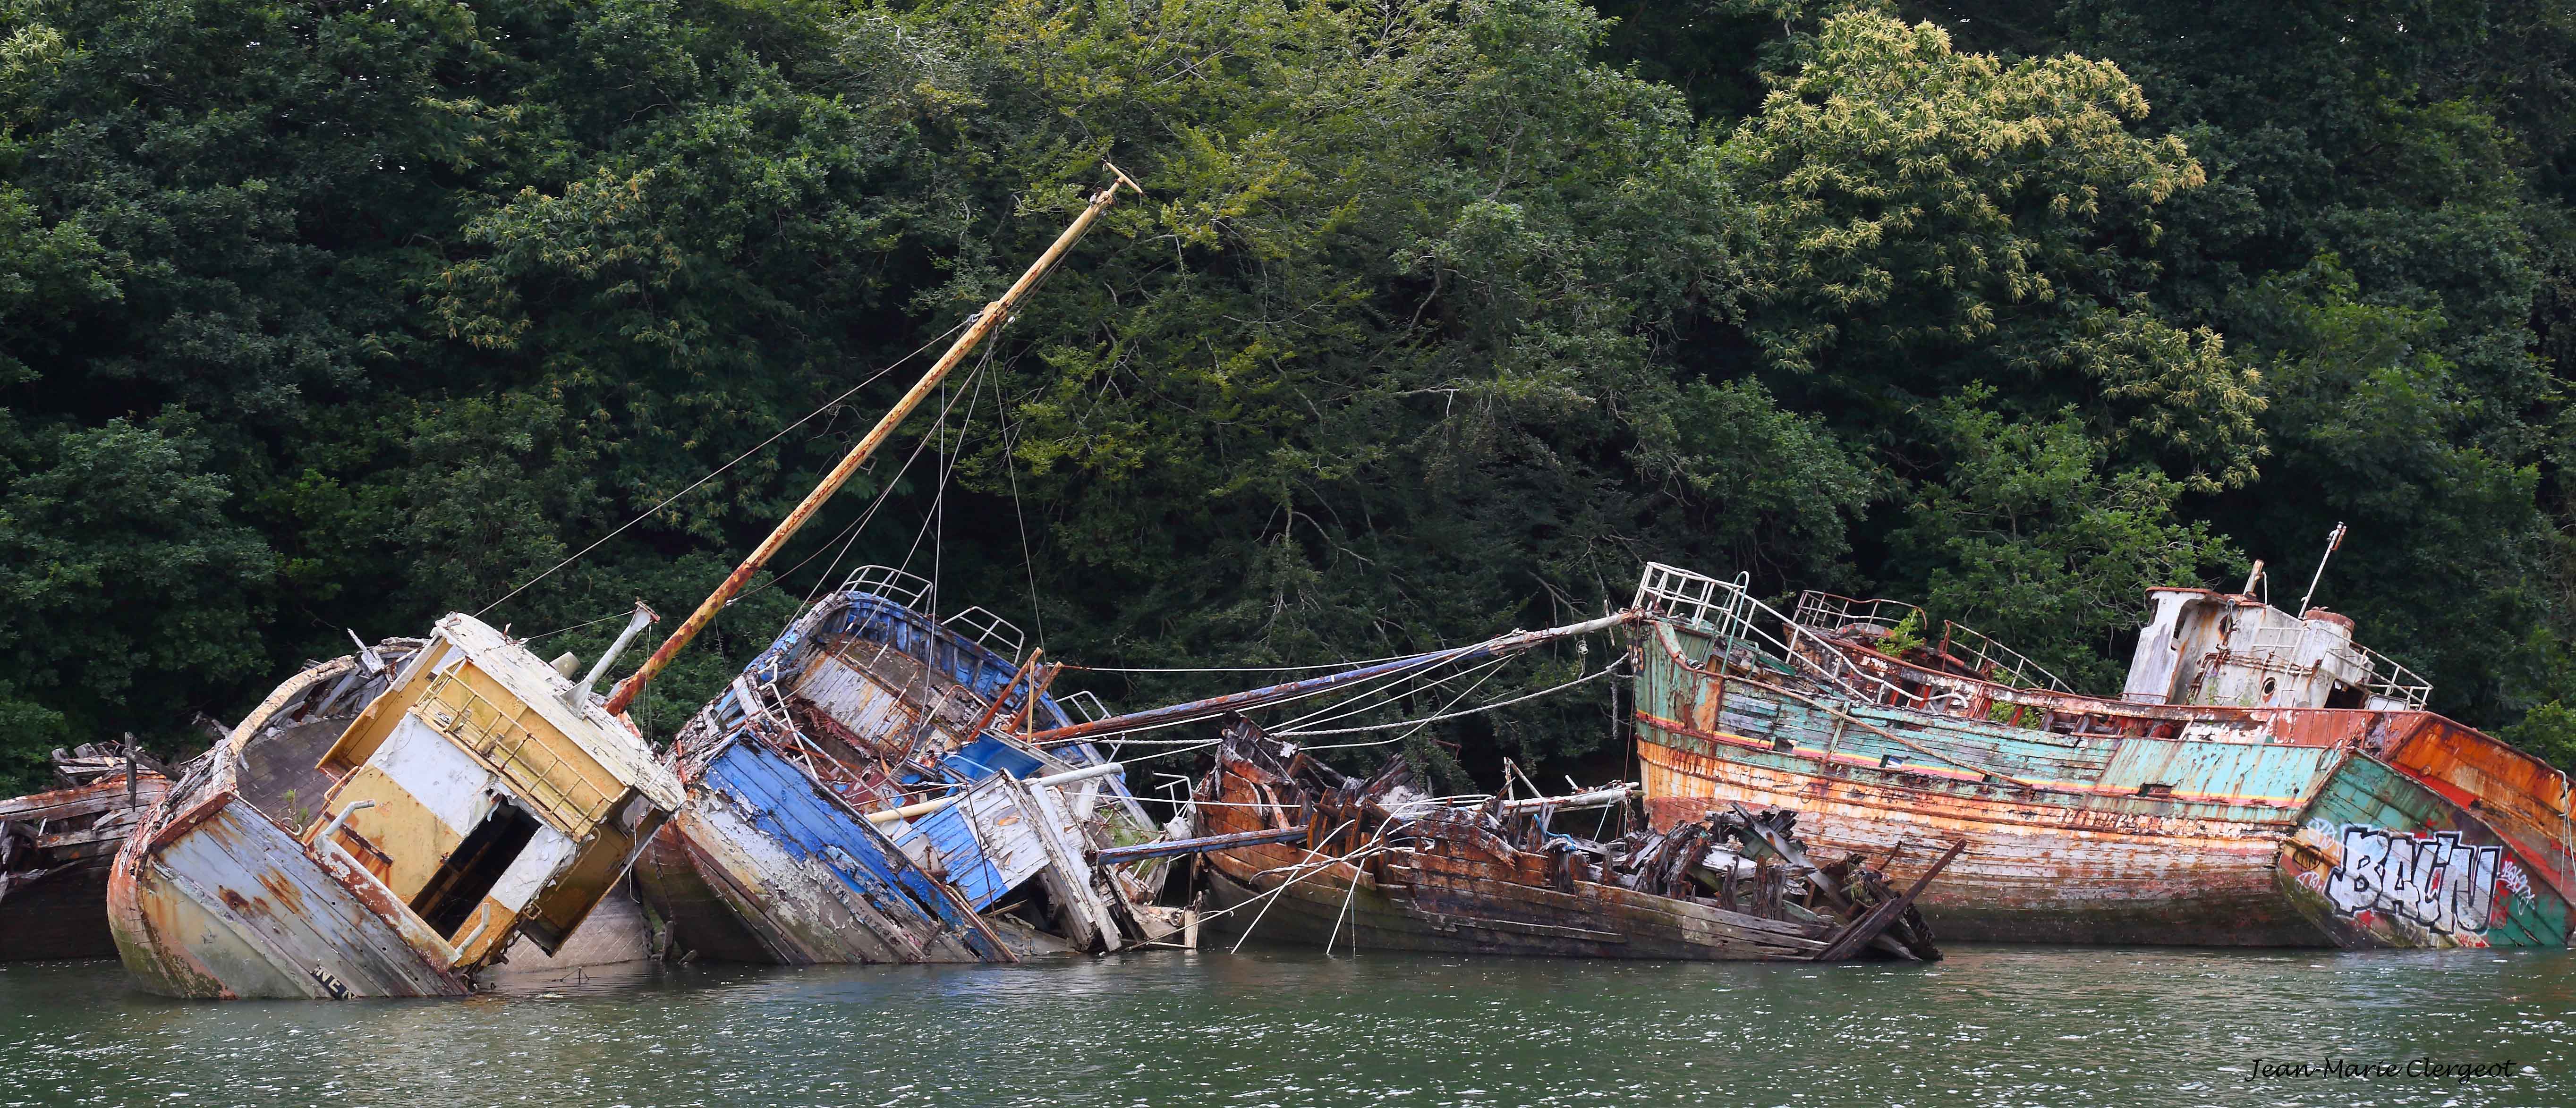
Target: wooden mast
[(986, 322)]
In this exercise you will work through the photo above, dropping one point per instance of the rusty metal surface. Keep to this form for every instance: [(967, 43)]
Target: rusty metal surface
[(2090, 820), (2120, 872), (2524, 800), (2385, 861), (1442, 880), (231, 906)]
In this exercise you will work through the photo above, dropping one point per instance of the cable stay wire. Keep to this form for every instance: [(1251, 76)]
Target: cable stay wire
[(1418, 725), (719, 470), (1594, 676)]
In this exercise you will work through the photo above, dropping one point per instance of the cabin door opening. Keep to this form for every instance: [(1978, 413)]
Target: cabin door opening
[(2348, 696), (469, 874)]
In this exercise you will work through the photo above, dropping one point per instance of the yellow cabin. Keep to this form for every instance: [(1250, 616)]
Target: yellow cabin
[(490, 794)]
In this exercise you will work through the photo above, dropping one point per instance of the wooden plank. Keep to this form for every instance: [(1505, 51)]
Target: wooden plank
[(1868, 927)]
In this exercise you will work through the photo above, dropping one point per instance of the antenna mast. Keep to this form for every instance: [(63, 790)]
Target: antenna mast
[(2333, 542), (986, 322)]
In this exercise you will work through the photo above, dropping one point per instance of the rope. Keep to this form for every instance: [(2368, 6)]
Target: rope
[(1233, 669), (574, 627), (850, 534), (712, 475), (1453, 702), (1597, 675), (1320, 717), (1028, 556)]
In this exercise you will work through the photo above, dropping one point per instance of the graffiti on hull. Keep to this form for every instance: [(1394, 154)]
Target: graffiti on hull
[(2435, 882)]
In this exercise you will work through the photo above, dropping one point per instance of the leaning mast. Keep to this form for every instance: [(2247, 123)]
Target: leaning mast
[(986, 322)]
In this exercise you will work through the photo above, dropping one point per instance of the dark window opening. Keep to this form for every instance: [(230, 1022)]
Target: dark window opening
[(469, 874), (2347, 696)]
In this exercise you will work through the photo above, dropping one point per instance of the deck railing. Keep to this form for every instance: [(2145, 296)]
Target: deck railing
[(989, 630), (893, 584), (1729, 611), (1826, 613), (536, 770), (2281, 646)]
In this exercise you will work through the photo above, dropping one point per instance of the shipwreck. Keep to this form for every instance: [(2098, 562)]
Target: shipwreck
[(387, 824), (861, 794), (1321, 857), (2262, 779), (56, 847)]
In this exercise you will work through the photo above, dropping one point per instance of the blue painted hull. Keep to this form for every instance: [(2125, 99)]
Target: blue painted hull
[(807, 877)]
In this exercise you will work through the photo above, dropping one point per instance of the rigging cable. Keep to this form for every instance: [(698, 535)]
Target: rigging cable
[(1602, 672), (1453, 702), (711, 475)]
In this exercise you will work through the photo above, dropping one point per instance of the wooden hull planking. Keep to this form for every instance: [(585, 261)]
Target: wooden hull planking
[(218, 902), (52, 904), (803, 876)]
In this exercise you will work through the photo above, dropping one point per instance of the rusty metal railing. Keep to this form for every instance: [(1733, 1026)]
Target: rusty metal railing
[(471, 720), (1994, 661), (2393, 681), (1826, 613), (1728, 611)]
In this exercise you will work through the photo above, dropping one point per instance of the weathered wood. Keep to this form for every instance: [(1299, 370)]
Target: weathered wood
[(1444, 881), (1170, 848), (1869, 927)]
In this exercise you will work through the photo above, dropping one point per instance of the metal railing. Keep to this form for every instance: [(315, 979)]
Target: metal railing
[(2393, 681), (1986, 659), (893, 584), (990, 630), (1727, 610), (2279, 647), (1993, 661), (1083, 707), (471, 720), (1826, 613)]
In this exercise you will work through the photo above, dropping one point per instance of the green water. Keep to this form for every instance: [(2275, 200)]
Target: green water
[(1990, 1026)]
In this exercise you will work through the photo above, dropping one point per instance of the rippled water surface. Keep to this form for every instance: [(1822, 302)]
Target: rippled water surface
[(1990, 1026)]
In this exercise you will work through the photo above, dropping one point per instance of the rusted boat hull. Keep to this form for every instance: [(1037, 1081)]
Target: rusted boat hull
[(221, 903), (471, 797), (802, 877), (1444, 907), (1424, 877), (2385, 862), (2091, 820)]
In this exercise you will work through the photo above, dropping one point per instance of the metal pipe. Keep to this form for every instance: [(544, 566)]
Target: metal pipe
[(637, 622), (1069, 777), (343, 817), (2333, 541), (1255, 698), (1169, 847), (986, 322), (1597, 798)]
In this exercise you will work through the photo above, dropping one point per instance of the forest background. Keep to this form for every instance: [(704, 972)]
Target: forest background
[(1438, 319)]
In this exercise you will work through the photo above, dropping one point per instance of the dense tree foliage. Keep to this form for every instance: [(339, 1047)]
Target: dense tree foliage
[(1437, 319)]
